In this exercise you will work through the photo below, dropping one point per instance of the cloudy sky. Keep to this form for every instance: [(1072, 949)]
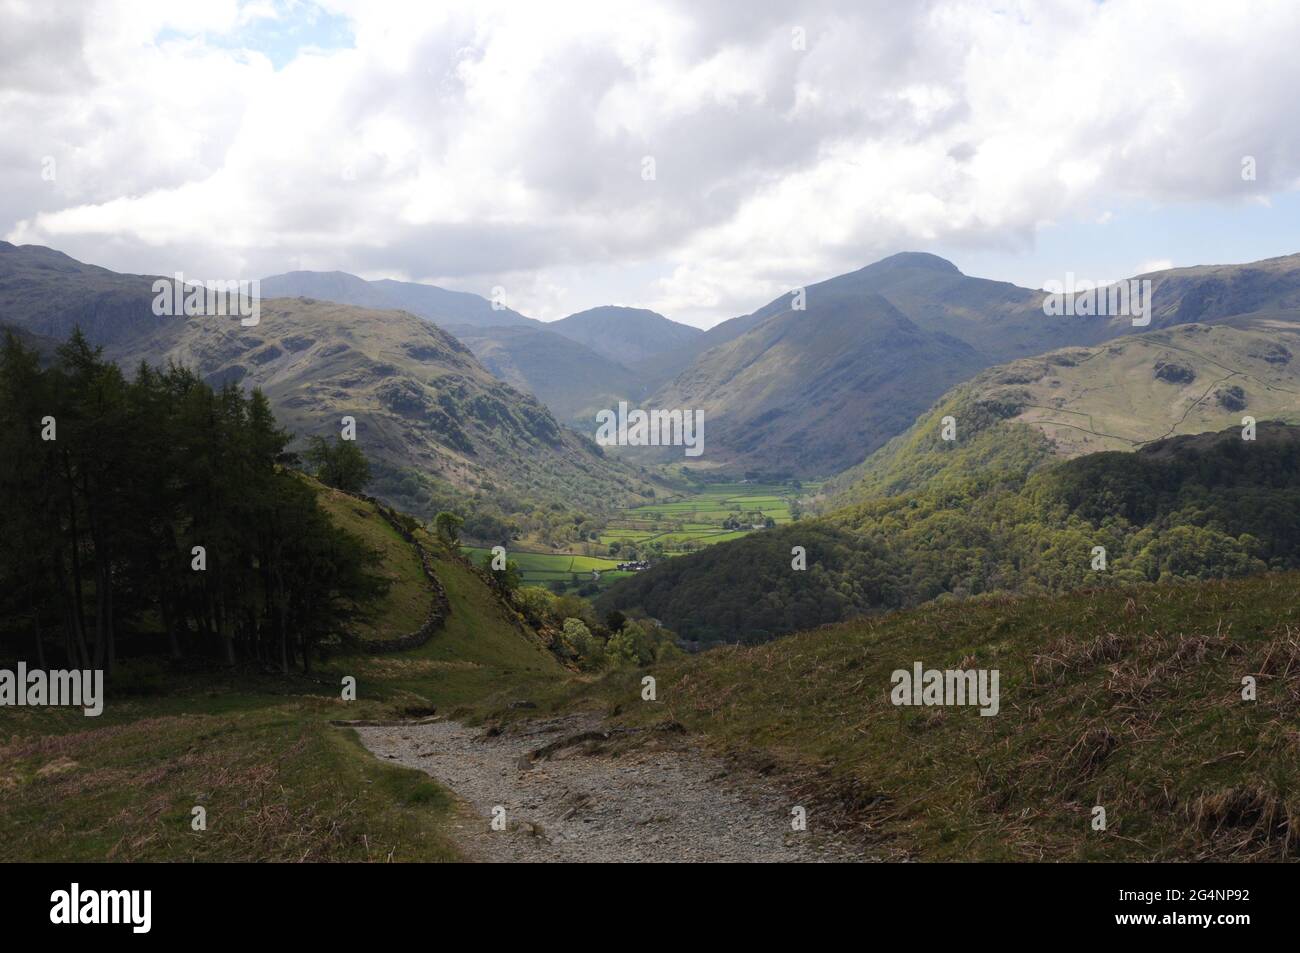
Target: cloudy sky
[(695, 157)]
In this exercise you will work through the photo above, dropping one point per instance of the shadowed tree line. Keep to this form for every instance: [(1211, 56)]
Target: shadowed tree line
[(160, 507)]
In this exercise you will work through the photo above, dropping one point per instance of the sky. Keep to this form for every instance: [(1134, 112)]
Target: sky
[(697, 158)]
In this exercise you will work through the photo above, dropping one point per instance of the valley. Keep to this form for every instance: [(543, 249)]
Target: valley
[(482, 720), (527, 689), (684, 522), (648, 432)]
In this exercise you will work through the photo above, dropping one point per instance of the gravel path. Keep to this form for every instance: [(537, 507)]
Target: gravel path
[(574, 792)]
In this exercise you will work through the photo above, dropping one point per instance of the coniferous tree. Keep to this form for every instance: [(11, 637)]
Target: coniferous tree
[(159, 507)]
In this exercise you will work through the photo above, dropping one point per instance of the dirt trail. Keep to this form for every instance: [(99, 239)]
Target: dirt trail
[(574, 792)]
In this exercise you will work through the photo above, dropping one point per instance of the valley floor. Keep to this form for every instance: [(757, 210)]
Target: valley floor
[(690, 521)]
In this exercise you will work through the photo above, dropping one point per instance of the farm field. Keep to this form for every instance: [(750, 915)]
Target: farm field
[(698, 519), (709, 514), (543, 569)]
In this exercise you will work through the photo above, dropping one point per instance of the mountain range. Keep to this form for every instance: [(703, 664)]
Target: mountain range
[(844, 378), (810, 392), (437, 425), (576, 366)]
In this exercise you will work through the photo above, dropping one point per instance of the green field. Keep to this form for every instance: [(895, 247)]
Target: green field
[(540, 569), (671, 527), (697, 519)]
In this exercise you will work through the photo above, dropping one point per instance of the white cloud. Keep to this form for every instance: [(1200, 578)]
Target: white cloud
[(485, 143)]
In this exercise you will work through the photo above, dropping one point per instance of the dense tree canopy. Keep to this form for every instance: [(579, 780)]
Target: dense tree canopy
[(157, 506)]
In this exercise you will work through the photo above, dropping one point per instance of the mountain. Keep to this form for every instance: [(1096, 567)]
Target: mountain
[(575, 366), (625, 335), (804, 393), (930, 290), (427, 411), (428, 301), (337, 286), (573, 381), (1209, 294), (811, 390), (46, 293), (794, 410), (438, 427), (450, 307)]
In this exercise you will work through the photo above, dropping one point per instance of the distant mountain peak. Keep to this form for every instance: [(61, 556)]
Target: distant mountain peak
[(916, 260), (614, 310), (623, 334)]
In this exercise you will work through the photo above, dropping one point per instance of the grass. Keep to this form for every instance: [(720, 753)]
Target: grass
[(1117, 402), (1128, 699), (698, 516), (407, 604), (278, 782), (479, 654), (539, 569)]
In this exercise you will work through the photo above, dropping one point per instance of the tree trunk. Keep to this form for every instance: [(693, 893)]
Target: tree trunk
[(78, 651), (79, 618), (36, 625), (169, 623)]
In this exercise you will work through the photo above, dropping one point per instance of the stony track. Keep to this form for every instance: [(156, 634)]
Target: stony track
[(573, 790)]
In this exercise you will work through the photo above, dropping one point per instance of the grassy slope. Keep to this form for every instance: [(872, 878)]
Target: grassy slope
[(278, 782), (1129, 699), (1019, 416), (407, 604), (478, 655), (1111, 398)]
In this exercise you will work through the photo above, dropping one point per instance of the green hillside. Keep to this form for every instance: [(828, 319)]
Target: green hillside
[(406, 604), (1128, 699), (162, 540), (1120, 395), (437, 426), (1186, 508)]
